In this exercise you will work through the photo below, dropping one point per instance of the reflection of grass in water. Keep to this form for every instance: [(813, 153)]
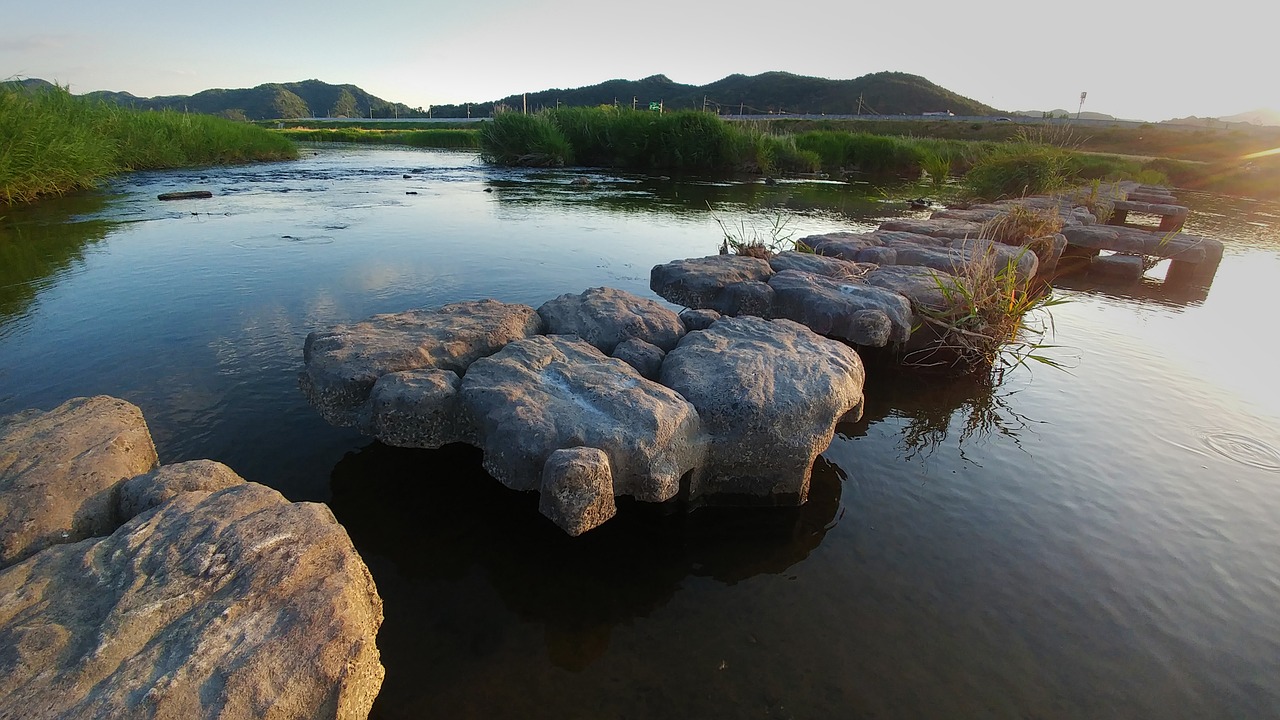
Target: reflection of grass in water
[(36, 243), (969, 408)]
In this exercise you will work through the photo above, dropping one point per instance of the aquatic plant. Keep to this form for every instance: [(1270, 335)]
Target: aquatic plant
[(991, 319), (1018, 170), (52, 142), (526, 140), (937, 167), (760, 241)]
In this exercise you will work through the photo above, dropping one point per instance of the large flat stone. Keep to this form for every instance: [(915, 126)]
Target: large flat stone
[(698, 282), (343, 363), (236, 605), (851, 310), (61, 471)]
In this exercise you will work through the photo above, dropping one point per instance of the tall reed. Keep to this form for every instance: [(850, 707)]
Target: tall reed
[(52, 142)]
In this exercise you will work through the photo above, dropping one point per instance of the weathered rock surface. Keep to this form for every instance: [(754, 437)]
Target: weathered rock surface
[(645, 358), (698, 319), (937, 227), (344, 362), (577, 489), (922, 286), (235, 604), (417, 408), (851, 309), (548, 393), (1179, 246), (770, 411), (819, 264), (698, 282), (60, 472), (606, 316), (157, 487), (1118, 267)]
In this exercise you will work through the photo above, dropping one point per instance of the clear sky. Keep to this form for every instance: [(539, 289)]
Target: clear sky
[(1136, 60)]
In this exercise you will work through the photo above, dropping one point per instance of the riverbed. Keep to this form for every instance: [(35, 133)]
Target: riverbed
[(1099, 542)]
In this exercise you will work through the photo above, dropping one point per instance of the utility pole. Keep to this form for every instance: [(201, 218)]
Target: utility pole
[(859, 103), (524, 103), (468, 111), (633, 102), (1082, 96), (741, 105), (704, 103)]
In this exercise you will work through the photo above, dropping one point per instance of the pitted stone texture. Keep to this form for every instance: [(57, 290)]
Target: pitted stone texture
[(237, 604), (940, 227), (771, 410), (920, 285), (698, 282), (818, 264), (606, 316), (698, 319), (994, 257), (61, 470), (139, 494), (645, 358), (542, 394), (744, 298), (577, 489), (831, 307), (344, 362), (417, 408)]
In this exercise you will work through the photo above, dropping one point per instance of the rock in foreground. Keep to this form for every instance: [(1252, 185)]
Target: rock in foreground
[(184, 592), (60, 472)]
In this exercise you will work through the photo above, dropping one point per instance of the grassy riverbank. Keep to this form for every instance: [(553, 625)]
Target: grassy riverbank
[(52, 142), (450, 138)]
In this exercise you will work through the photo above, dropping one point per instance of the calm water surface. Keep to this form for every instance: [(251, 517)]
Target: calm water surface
[(1104, 543)]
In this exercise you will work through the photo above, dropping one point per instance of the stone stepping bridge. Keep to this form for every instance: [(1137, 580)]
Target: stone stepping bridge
[(596, 395)]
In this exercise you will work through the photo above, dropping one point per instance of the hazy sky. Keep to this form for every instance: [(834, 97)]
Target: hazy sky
[(1135, 60)]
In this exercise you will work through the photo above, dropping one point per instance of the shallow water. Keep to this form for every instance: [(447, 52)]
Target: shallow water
[(1103, 543)]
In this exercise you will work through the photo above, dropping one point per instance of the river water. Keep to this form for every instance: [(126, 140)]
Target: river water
[(1103, 542)]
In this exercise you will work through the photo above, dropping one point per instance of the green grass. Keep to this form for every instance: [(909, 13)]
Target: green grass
[(526, 140), (434, 137), (52, 143)]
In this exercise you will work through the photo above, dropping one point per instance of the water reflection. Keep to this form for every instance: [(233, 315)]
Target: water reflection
[(936, 410), (648, 195), (40, 241), (438, 516)]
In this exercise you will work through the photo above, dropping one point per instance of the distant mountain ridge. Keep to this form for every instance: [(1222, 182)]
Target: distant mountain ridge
[(263, 102), (883, 93)]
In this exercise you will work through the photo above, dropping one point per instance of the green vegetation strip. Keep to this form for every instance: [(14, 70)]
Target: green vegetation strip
[(52, 142), (433, 138)]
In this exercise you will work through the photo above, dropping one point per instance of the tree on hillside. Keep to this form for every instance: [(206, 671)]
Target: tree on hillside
[(345, 105), (234, 114), (288, 105)]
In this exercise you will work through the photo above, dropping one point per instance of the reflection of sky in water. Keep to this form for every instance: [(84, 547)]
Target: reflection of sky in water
[(1096, 544)]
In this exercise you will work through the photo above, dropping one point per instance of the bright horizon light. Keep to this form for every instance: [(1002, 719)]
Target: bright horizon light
[(431, 53)]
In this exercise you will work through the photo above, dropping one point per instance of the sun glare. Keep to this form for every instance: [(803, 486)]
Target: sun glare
[(1263, 153)]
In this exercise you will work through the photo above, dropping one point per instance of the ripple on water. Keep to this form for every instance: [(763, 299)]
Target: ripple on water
[(267, 242), (1242, 449)]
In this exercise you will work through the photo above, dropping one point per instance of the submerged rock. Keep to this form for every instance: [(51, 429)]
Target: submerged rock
[(60, 472), (769, 411)]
